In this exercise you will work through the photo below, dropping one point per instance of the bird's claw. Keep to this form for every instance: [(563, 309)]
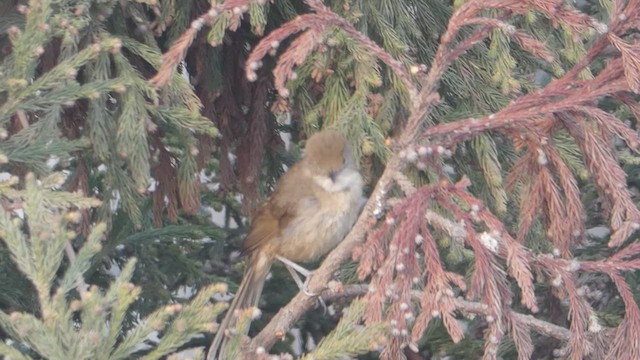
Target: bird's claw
[(305, 287)]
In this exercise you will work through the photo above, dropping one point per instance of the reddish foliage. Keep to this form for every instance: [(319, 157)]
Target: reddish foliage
[(400, 254), (550, 189)]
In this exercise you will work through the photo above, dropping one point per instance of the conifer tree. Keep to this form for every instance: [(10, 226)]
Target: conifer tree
[(498, 140)]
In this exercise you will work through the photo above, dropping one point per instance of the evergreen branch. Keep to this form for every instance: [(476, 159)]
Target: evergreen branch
[(572, 226), (170, 60), (258, 16), (155, 322), (612, 124), (180, 92), (422, 102), (15, 240), (540, 326), (189, 184), (36, 334), (447, 53), (348, 339), (488, 280), (8, 325), (625, 216), (131, 138), (192, 319), (521, 337), (583, 317), (440, 283), (523, 111), (171, 232), (81, 262), (12, 353), (69, 92), (27, 45), (127, 192), (54, 199), (146, 52), (55, 77), (487, 155), (76, 329), (315, 25), (504, 63), (523, 39), (36, 154), (499, 241), (119, 297), (183, 118), (99, 118), (238, 333)]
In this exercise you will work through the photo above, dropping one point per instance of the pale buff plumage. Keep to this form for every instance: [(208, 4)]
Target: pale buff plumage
[(314, 206)]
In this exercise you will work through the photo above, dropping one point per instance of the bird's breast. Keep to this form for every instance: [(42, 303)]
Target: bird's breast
[(321, 223)]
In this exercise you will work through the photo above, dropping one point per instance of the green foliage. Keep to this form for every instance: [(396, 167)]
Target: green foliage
[(350, 338), (487, 157), (99, 63), (74, 321), (242, 327), (75, 97)]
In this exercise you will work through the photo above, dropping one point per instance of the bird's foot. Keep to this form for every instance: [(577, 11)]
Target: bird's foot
[(293, 266), (294, 269), (305, 286)]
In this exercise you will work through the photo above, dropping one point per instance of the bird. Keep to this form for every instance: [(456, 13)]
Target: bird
[(313, 207)]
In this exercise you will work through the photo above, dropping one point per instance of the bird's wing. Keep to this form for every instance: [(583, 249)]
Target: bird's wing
[(263, 227), (282, 207)]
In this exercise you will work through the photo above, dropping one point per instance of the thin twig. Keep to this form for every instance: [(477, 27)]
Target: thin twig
[(24, 122), (540, 326)]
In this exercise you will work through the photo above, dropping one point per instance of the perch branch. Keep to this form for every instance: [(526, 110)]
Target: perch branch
[(301, 303), (422, 103)]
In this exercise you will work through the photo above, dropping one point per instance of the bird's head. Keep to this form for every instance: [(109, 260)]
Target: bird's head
[(329, 159)]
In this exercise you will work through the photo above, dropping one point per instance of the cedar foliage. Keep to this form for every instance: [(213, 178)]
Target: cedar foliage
[(493, 135)]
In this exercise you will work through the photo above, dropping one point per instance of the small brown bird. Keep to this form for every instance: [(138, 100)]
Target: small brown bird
[(313, 207)]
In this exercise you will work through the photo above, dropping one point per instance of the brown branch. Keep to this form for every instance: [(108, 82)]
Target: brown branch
[(428, 96), (315, 25), (567, 89), (562, 95), (22, 117), (301, 303), (398, 67), (539, 326), (178, 50), (422, 103)]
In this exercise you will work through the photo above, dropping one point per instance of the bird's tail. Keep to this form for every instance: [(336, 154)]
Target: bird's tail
[(248, 295)]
